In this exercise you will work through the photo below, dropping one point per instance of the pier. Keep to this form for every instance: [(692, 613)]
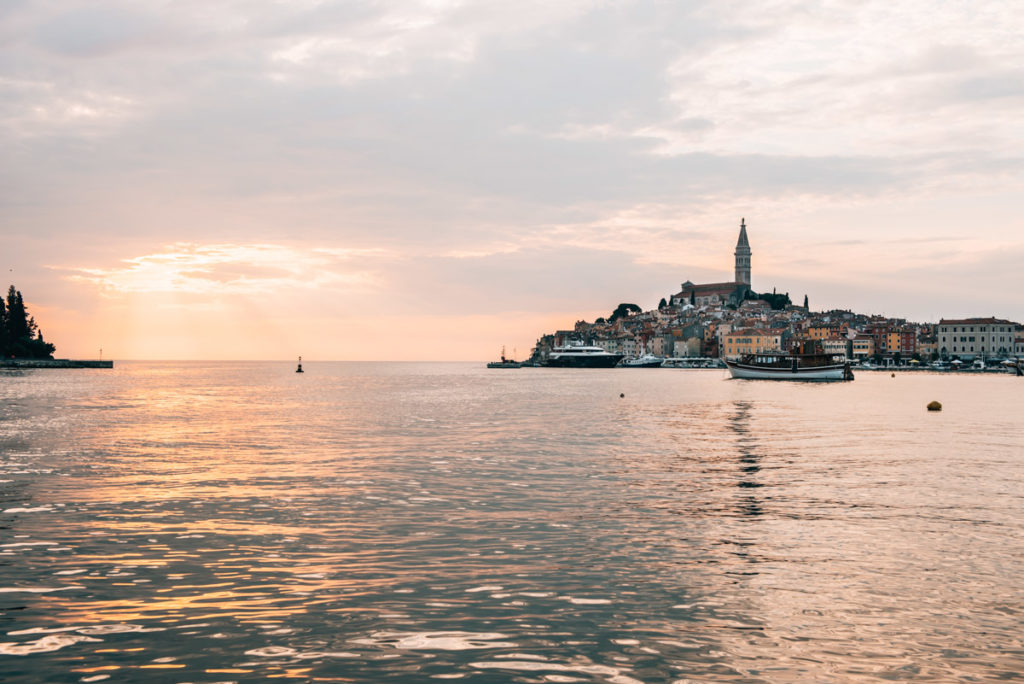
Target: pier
[(54, 363)]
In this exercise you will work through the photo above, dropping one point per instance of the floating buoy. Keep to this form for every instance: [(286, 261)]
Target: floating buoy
[(894, 375), (622, 395), (299, 369), (934, 406)]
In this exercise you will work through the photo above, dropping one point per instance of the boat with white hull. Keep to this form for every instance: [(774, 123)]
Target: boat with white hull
[(806, 363), (645, 361)]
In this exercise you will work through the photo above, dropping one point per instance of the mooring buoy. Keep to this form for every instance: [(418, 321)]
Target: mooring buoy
[(934, 406)]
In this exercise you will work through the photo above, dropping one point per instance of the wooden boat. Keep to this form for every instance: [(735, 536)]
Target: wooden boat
[(807, 362)]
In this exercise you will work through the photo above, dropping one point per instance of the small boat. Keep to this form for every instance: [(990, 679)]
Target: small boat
[(808, 362), (504, 363), (645, 361), (692, 362)]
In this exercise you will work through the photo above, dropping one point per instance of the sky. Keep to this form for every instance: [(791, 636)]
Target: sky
[(432, 180)]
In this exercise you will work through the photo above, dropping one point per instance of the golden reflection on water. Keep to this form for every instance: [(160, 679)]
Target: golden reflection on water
[(421, 522)]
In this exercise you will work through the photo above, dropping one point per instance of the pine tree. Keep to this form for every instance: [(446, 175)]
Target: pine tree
[(4, 336), (805, 303), (19, 334), (17, 322), (662, 304)]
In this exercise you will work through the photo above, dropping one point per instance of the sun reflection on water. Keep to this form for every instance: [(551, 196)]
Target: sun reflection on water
[(416, 522)]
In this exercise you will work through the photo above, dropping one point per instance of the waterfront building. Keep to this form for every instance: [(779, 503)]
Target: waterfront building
[(893, 340), (821, 332), (630, 346), (835, 345), (908, 342), (863, 346), (660, 345), (970, 338), (750, 341), (927, 347)]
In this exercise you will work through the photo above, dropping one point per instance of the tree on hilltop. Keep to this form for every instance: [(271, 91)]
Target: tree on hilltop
[(777, 302), (623, 310)]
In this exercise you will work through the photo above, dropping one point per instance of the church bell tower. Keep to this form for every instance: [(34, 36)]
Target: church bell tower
[(743, 256)]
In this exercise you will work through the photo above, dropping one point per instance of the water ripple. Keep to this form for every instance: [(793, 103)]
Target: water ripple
[(231, 522)]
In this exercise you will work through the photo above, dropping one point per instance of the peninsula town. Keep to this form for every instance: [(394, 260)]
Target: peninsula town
[(729, 320)]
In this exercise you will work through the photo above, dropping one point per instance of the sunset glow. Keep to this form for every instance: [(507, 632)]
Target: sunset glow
[(434, 180)]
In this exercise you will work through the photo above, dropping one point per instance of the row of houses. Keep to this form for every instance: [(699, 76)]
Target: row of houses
[(966, 339), (715, 330)]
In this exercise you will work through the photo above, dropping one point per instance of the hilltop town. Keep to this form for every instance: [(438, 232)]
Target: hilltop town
[(729, 319)]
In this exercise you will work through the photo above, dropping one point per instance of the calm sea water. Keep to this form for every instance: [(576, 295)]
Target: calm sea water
[(214, 522)]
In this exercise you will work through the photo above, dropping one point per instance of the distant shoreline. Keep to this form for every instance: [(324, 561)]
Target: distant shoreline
[(54, 363)]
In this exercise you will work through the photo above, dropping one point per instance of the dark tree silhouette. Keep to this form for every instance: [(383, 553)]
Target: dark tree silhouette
[(623, 310), (20, 337)]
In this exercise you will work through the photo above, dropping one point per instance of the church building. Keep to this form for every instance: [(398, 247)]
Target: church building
[(719, 294)]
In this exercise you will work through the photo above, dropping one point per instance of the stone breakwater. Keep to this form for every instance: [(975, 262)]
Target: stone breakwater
[(54, 363)]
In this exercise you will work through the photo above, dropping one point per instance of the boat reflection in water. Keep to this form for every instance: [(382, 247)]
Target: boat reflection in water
[(807, 362)]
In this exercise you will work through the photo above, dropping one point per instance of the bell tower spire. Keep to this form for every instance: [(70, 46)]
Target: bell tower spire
[(743, 256)]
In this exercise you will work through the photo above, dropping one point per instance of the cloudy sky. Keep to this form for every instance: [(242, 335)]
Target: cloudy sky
[(434, 179)]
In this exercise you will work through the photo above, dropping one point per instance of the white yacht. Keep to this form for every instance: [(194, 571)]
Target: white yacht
[(645, 361)]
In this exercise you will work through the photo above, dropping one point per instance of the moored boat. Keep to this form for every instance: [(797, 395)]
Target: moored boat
[(806, 363), (504, 363), (575, 355), (645, 361), (692, 362)]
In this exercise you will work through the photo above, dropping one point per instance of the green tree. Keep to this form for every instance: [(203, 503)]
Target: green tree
[(805, 303), (662, 304)]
